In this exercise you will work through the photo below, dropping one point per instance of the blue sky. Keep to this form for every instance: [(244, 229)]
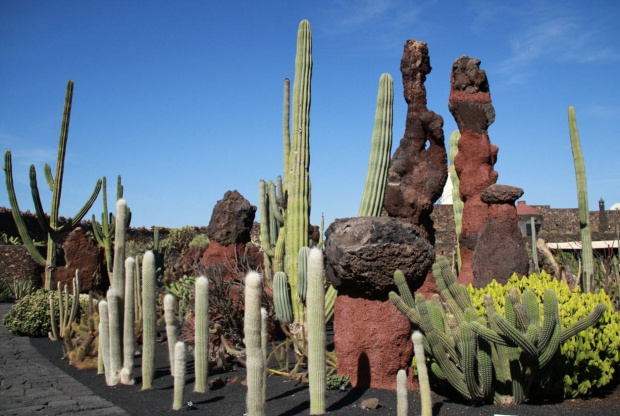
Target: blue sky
[(184, 99)]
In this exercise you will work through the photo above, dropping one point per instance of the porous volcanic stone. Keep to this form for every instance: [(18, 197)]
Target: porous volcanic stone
[(501, 194), (362, 254), (418, 169), (231, 220), (84, 254)]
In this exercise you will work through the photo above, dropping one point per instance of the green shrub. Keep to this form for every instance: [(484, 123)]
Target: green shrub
[(30, 316), (200, 241), (588, 360), (336, 382)]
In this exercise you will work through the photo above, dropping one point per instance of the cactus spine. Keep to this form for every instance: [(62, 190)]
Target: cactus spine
[(402, 401), (252, 330), (149, 319), (201, 349), (180, 361), (582, 199), (172, 327), (457, 202), (316, 332), (425, 386), (52, 228), (380, 151), (129, 337)]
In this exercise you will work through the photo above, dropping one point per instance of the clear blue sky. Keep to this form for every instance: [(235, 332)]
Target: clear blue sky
[(184, 99)]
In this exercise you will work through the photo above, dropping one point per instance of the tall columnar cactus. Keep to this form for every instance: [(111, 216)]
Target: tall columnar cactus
[(264, 343), (380, 151), (52, 227), (129, 337), (582, 199), (457, 202), (116, 350), (104, 341), (118, 271), (172, 327), (316, 332), (201, 337), (425, 386), (180, 362), (252, 330), (66, 316), (402, 401), (485, 358), (104, 230), (149, 319), (534, 249)]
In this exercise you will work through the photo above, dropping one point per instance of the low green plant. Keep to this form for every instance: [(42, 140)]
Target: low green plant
[(587, 361), (337, 382), (30, 316), (200, 241)]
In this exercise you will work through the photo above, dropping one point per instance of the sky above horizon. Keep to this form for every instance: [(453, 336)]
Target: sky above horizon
[(184, 99)]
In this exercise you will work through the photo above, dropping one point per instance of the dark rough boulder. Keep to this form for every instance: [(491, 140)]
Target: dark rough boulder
[(231, 220), (84, 254), (501, 194), (362, 254), (418, 169)]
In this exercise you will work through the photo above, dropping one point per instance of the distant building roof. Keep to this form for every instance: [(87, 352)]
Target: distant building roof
[(525, 209), (576, 245)]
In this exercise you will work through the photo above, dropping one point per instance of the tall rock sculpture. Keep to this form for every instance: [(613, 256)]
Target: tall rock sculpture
[(490, 241), (418, 169)]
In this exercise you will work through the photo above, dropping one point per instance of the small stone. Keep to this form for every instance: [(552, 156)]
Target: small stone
[(371, 404)]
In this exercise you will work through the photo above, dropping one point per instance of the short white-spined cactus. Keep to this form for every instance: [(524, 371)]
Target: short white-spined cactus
[(104, 342), (425, 386), (149, 319), (129, 337), (315, 304), (255, 404), (179, 374), (116, 349), (402, 401), (172, 327), (201, 335)]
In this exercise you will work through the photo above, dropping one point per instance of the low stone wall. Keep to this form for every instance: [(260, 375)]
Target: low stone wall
[(17, 264)]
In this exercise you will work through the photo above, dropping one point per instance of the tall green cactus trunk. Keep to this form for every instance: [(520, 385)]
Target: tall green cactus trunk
[(297, 179), (457, 202), (52, 228), (380, 150), (582, 199)]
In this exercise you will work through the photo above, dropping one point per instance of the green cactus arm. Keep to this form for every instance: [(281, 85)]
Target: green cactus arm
[(264, 218), (582, 199), (97, 231), (485, 368), (405, 309), (36, 199), (16, 213), (77, 218), (517, 375), (552, 347), (468, 360), (380, 152), (532, 309), (583, 323), (302, 273), (282, 298), (403, 288), (458, 291), (515, 336), (286, 128), (551, 317), (488, 334), (54, 325), (49, 178)]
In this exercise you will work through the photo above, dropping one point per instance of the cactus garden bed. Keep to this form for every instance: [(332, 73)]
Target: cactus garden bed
[(284, 397)]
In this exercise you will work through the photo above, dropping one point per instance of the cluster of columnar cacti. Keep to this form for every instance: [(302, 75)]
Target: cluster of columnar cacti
[(66, 315), (380, 150), (104, 231), (457, 202), (486, 358), (587, 257), (255, 399), (54, 230)]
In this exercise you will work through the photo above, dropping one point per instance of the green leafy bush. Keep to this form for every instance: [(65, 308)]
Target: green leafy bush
[(200, 241), (336, 382), (30, 316), (588, 360)]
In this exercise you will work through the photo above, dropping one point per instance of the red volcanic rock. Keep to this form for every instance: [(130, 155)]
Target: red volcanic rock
[(374, 345), (233, 257), (84, 254), (489, 244), (418, 169)]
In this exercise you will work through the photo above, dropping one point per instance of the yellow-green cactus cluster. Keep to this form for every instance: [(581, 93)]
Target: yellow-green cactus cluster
[(588, 360)]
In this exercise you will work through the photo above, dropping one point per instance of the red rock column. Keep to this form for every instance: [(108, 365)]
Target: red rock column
[(470, 104), (418, 169)]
